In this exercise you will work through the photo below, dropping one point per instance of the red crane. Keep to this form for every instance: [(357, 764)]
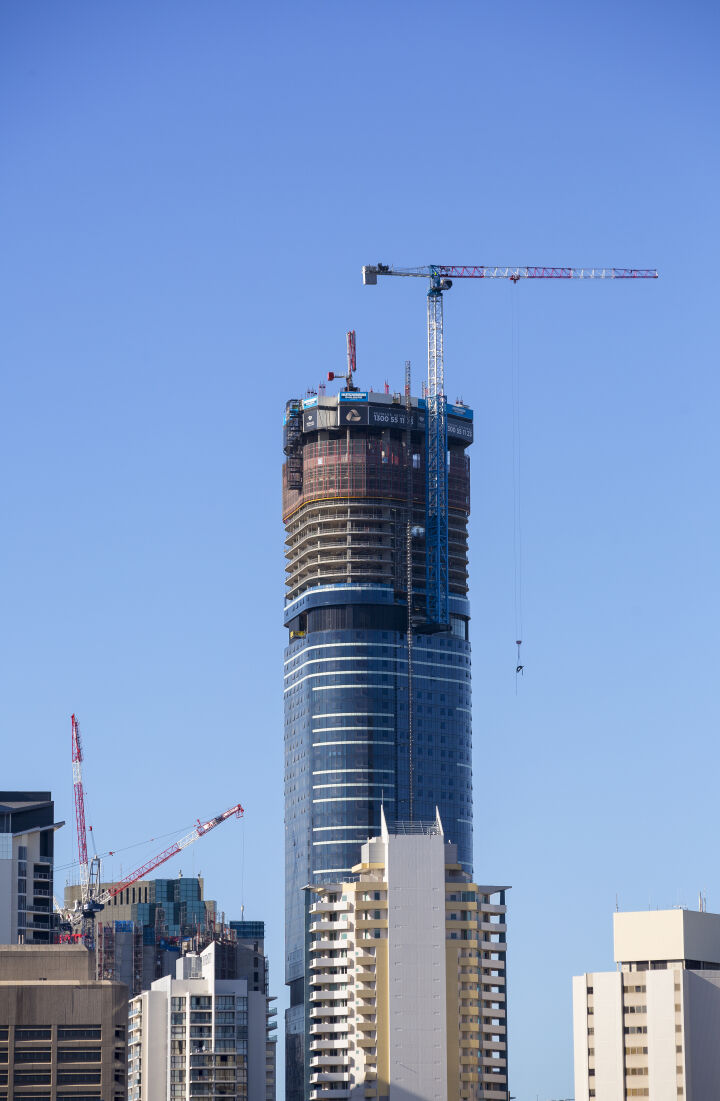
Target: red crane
[(92, 900), (77, 757), (199, 830)]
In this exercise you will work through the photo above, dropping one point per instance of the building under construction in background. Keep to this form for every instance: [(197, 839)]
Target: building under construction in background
[(377, 701), (142, 931)]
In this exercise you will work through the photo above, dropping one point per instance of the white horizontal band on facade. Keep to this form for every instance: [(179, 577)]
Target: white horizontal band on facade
[(467, 821), (355, 715), (356, 799), (331, 771), (464, 709), (365, 645), (319, 844), (362, 726), (327, 871), (355, 659), (356, 741), (351, 784), (371, 673), (461, 764), (323, 829), (358, 645)]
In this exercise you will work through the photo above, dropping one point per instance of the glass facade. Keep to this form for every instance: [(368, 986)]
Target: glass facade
[(347, 744), (347, 751)]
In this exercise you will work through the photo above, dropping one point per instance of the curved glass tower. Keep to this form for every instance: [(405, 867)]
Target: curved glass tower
[(357, 738)]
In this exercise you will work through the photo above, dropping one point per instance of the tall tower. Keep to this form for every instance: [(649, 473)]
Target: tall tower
[(365, 727)]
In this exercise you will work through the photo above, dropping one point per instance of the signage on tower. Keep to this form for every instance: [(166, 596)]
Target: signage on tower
[(350, 416)]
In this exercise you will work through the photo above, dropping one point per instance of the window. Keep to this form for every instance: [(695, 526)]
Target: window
[(77, 1078), (77, 1032)]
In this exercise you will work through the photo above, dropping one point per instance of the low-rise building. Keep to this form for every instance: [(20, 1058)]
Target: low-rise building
[(406, 963), (651, 1027), (62, 1033)]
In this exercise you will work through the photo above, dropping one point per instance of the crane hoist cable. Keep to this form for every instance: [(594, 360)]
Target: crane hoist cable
[(516, 478)]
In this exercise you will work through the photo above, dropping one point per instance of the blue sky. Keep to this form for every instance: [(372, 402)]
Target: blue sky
[(188, 193)]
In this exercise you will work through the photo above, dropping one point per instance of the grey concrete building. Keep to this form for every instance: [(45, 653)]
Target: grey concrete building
[(27, 833), (62, 1033)]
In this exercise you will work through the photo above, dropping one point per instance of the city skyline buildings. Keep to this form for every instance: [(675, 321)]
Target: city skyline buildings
[(365, 726), (147, 191)]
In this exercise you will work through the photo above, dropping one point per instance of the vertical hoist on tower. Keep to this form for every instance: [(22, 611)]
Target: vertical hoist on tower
[(440, 278)]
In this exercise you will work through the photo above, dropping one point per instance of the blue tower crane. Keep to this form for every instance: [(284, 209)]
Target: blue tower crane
[(440, 277)]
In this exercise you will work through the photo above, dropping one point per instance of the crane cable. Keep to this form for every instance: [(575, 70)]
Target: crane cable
[(516, 482)]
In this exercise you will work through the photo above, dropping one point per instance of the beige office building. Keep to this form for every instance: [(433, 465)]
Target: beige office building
[(407, 977), (652, 1027), (62, 1034)]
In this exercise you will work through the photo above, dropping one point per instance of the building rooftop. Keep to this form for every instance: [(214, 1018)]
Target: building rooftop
[(655, 935)]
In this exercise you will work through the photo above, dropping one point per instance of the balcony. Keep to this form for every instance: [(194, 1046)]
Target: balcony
[(341, 1043), (327, 978), (326, 961), (493, 946), (325, 926), (329, 1011), (326, 945), (320, 1029)]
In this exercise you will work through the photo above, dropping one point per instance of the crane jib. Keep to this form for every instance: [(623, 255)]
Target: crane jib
[(436, 481)]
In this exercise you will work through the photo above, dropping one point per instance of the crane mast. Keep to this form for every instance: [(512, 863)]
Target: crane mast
[(436, 483), (440, 278), (80, 807)]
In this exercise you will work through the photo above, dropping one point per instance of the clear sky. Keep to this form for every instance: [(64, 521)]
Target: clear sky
[(188, 192)]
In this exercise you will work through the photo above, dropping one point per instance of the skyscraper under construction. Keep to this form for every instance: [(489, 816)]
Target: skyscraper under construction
[(377, 701)]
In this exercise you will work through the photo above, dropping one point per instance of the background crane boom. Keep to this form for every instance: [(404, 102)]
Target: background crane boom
[(172, 850)]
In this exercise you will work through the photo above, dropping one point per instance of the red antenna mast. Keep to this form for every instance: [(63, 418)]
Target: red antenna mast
[(351, 363)]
